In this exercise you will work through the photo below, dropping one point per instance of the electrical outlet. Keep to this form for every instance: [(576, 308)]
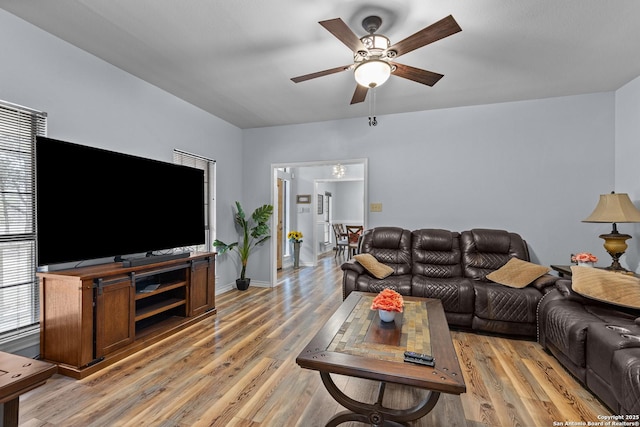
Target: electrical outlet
[(375, 207)]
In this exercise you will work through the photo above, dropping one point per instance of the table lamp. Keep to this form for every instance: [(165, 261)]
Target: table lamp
[(614, 208)]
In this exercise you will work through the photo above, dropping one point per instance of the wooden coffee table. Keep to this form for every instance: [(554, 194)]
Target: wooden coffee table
[(19, 375), (355, 342)]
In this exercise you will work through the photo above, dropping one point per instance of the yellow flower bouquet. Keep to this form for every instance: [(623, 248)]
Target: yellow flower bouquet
[(295, 236)]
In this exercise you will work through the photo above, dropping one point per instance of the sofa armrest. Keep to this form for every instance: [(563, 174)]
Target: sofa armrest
[(564, 287), (351, 271), (545, 283), (353, 265)]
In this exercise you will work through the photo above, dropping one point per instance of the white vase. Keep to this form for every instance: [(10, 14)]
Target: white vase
[(585, 264), (386, 316)]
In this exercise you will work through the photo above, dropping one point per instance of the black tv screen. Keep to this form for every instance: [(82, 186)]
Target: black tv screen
[(94, 203)]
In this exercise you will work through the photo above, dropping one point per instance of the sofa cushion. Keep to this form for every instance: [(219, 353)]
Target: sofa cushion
[(484, 251), (606, 286), (517, 273), (436, 253), (399, 283), (373, 266), (390, 245), (497, 302), (457, 295)]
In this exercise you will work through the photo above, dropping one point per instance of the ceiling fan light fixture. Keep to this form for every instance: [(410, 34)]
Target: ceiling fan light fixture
[(375, 42), (372, 73)]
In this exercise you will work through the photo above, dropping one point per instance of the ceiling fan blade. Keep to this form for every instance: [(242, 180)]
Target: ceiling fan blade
[(342, 32), (320, 74), (434, 32), (359, 95), (425, 77)]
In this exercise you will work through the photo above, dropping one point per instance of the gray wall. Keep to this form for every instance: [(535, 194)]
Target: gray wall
[(627, 155), (93, 103), (348, 202), (533, 167)]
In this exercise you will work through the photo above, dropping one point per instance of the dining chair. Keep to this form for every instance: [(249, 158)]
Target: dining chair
[(342, 241), (353, 236)]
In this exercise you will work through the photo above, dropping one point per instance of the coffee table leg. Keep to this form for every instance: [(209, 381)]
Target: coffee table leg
[(375, 414), (11, 408)]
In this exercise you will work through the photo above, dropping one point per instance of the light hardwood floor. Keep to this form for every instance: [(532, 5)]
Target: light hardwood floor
[(238, 369)]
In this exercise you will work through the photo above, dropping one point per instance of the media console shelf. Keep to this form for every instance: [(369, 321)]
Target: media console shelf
[(92, 317)]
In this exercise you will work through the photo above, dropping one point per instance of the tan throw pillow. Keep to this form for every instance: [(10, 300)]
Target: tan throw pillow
[(602, 285), (373, 266), (517, 273)]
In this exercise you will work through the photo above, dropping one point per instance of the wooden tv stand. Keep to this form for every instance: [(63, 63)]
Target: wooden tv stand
[(92, 317)]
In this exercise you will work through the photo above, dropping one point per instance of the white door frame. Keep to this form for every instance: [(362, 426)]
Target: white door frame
[(314, 207)]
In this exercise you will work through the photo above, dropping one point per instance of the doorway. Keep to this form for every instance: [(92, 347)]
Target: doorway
[(305, 212)]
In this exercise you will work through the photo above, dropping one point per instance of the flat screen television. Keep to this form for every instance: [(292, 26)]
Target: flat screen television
[(93, 203)]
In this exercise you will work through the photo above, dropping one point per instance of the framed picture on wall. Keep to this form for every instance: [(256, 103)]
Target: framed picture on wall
[(303, 198), (320, 204)]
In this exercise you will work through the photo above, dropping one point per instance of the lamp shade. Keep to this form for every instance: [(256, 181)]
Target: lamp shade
[(614, 207), (372, 73)]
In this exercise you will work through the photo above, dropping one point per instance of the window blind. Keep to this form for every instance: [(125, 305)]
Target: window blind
[(19, 296), (209, 168)]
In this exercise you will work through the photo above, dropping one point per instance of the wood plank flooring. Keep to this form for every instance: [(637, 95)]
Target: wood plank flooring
[(238, 369)]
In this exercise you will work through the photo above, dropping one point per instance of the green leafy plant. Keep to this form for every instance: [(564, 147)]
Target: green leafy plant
[(255, 231)]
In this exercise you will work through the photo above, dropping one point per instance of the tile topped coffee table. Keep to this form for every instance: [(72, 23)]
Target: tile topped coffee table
[(355, 342)]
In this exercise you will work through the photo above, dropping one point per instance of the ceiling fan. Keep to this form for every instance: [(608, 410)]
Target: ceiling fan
[(374, 56)]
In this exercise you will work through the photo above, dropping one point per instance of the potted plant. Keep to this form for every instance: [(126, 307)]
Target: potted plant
[(255, 231)]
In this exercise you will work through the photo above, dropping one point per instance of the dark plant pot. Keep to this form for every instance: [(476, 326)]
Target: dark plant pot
[(242, 284)]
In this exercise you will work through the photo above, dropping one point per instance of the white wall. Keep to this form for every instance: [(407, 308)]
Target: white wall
[(348, 202), (533, 167), (91, 102), (627, 158)]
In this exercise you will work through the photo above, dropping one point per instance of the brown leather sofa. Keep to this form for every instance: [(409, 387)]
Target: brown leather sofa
[(452, 267), (598, 343)]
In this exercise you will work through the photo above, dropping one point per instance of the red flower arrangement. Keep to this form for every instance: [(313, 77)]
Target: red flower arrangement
[(584, 257), (388, 300)]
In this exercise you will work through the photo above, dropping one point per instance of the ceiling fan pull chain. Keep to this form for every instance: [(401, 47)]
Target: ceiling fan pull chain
[(372, 108)]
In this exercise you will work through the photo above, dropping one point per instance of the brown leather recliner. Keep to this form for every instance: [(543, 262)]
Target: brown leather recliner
[(598, 343), (390, 246), (625, 377), (499, 308), (452, 267), (437, 273)]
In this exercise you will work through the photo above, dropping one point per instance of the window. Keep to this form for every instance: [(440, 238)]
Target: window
[(209, 168), (19, 296)]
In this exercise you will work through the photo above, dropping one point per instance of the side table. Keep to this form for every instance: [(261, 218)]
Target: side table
[(565, 271), (19, 375)]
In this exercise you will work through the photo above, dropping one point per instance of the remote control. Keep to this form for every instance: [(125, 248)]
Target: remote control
[(420, 361), (421, 356)]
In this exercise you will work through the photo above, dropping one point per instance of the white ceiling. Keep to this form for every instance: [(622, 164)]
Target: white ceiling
[(235, 58)]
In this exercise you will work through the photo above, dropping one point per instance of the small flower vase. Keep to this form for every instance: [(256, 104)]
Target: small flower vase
[(585, 264), (387, 316), (296, 254)]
